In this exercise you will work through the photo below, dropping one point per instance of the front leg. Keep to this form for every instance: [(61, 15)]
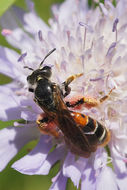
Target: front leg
[(65, 85), (47, 126)]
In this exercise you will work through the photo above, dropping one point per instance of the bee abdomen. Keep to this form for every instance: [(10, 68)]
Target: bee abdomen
[(96, 132)]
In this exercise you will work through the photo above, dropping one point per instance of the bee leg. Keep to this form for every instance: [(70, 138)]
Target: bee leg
[(65, 85), (89, 101), (47, 126), (106, 96)]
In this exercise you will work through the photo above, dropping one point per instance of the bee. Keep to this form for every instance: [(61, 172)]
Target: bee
[(82, 134)]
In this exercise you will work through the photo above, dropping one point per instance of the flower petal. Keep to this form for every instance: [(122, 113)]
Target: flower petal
[(34, 23), (122, 182), (28, 115), (106, 180), (5, 21), (59, 182), (118, 162), (100, 159), (67, 8), (32, 162), (10, 103), (73, 169), (88, 179), (12, 140), (8, 60), (51, 159)]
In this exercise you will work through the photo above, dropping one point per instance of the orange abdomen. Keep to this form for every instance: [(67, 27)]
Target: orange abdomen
[(95, 132)]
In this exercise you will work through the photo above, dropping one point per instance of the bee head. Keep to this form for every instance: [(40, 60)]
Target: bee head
[(42, 72), (38, 74)]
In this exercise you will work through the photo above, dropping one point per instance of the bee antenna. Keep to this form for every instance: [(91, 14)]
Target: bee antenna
[(47, 55), (28, 68)]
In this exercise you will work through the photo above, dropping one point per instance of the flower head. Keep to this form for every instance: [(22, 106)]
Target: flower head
[(92, 42)]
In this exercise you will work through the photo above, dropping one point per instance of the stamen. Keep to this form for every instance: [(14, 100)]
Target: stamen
[(40, 35), (84, 40), (6, 32), (111, 48), (114, 29), (87, 27), (68, 33), (115, 25), (96, 79), (22, 57)]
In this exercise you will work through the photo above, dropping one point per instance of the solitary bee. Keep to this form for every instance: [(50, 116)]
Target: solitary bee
[(82, 133)]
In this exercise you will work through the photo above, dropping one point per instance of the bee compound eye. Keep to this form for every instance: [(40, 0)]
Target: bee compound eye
[(46, 71), (28, 78), (46, 68), (31, 79)]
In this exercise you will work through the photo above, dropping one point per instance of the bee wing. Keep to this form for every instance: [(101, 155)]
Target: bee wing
[(72, 132)]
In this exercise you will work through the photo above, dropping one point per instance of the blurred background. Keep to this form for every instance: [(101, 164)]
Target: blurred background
[(9, 178)]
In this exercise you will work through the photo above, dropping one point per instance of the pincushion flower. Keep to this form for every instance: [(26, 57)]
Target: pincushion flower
[(92, 42)]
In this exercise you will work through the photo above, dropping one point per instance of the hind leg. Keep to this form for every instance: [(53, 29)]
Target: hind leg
[(88, 101), (47, 126)]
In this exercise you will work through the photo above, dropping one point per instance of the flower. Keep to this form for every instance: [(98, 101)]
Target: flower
[(92, 42)]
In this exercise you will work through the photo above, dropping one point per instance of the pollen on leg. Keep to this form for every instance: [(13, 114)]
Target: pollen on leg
[(47, 127), (72, 100), (76, 102)]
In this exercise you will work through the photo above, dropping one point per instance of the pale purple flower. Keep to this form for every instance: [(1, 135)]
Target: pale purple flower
[(88, 41)]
